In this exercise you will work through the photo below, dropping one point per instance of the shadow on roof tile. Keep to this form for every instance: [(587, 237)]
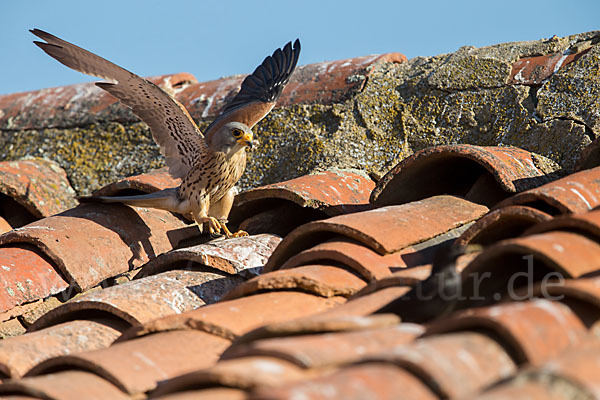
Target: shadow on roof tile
[(280, 207), (575, 193), (64, 385), (533, 331), (484, 175), (141, 301), (93, 242), (243, 256), (149, 182), (33, 189), (135, 366), (19, 354), (383, 230), (513, 263), (503, 223), (365, 381)]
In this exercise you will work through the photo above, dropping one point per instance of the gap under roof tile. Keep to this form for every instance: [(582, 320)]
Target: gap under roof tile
[(378, 381), (26, 276), (140, 301), (136, 366), (533, 331), (575, 193), (525, 260), (64, 385), (384, 230), (482, 174), (503, 223), (282, 206), (322, 280), (148, 182), (243, 256), (93, 242), (233, 318), (21, 353), (74, 105), (33, 189)]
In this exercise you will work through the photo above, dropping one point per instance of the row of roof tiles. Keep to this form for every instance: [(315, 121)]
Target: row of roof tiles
[(318, 285)]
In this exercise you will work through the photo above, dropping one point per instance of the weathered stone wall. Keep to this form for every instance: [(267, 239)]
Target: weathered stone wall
[(543, 96)]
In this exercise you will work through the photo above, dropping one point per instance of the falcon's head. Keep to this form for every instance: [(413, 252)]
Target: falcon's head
[(232, 137)]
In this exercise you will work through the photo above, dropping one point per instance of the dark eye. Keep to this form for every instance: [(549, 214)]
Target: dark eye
[(237, 133)]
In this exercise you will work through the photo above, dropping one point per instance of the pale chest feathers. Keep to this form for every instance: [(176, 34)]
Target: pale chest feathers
[(214, 177)]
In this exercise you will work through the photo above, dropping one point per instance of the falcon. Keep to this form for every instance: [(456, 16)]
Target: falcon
[(210, 164)]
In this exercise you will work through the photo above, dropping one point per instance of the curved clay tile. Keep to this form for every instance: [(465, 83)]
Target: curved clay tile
[(64, 385), (33, 189), (587, 223), (73, 105), (575, 193), (384, 230), (243, 256), (535, 331), (503, 223), (93, 242), (485, 175), (21, 353), (143, 300), (149, 182), (280, 207), (136, 366), (512, 263)]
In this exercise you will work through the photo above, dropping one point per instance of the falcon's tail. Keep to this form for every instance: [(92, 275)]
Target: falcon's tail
[(167, 199)]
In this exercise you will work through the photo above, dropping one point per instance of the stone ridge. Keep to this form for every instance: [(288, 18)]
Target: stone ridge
[(402, 107)]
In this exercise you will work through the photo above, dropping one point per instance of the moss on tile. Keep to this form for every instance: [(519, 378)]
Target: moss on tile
[(454, 98)]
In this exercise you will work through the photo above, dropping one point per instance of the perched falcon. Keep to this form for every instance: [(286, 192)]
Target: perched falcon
[(210, 164)]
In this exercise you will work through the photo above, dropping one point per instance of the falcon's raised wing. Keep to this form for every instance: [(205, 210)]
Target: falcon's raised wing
[(260, 90), (180, 140)]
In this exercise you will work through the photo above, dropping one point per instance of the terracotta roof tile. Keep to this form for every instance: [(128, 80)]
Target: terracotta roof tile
[(503, 223), (484, 175), (384, 230), (366, 304), (328, 349), (280, 207), (535, 70), (38, 188), (534, 331), (244, 256), (565, 253), (368, 381), (93, 242), (149, 182), (218, 393), (171, 292), (587, 223), (233, 318), (19, 354), (323, 83), (323, 280), (144, 361), (26, 276), (4, 225), (64, 385), (525, 390), (471, 358), (73, 105), (575, 193)]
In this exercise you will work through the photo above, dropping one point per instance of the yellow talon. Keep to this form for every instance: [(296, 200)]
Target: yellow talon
[(228, 232)]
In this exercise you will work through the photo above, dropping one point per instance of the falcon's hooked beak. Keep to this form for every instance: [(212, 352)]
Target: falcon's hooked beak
[(246, 140)]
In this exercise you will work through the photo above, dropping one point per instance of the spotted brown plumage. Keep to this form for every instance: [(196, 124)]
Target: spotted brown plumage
[(209, 165)]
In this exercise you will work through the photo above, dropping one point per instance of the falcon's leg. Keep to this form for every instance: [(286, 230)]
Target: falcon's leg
[(221, 209)]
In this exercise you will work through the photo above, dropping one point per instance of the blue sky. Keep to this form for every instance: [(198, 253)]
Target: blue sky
[(211, 39)]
